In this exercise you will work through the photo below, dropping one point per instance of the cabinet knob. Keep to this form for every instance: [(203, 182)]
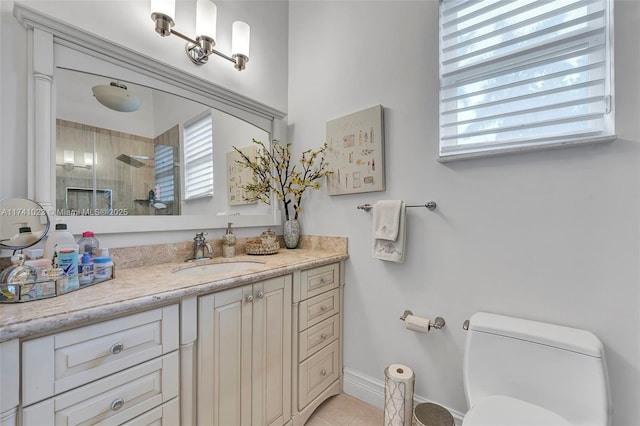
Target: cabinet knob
[(323, 280), (323, 308), (323, 336), (117, 404), (323, 372), (248, 298), (260, 294), (116, 348)]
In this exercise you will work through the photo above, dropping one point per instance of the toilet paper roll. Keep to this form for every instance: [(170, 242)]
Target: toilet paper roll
[(398, 395), (419, 324)]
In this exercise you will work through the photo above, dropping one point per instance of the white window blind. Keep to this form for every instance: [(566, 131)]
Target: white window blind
[(163, 171), (198, 157), (519, 74)]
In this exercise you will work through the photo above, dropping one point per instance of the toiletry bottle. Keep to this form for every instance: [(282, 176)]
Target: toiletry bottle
[(229, 243), (24, 238), (68, 262), (58, 237), (102, 268), (85, 269), (89, 244)]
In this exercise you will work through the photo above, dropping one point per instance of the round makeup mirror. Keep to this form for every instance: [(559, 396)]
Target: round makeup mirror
[(23, 223)]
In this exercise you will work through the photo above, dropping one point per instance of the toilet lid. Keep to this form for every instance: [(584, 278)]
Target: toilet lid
[(498, 410)]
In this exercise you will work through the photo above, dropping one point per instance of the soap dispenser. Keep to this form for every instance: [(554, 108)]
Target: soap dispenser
[(229, 243)]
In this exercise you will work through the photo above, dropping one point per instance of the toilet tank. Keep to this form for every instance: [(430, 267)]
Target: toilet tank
[(559, 368)]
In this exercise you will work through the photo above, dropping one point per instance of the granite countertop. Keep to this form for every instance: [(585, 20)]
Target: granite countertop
[(144, 287)]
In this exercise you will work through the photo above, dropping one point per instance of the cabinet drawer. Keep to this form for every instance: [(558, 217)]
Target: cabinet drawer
[(318, 280), (317, 337), (318, 308), (63, 361), (317, 373), (166, 415), (112, 400)]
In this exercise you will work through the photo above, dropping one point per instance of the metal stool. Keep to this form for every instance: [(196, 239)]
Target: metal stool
[(428, 414)]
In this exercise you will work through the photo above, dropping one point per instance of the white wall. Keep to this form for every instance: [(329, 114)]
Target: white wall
[(552, 236)]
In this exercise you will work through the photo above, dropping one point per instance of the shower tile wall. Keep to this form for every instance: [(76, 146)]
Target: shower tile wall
[(130, 185)]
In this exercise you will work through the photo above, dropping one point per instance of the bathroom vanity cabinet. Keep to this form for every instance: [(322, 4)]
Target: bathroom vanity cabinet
[(317, 366), (112, 371), (244, 355), (264, 352)]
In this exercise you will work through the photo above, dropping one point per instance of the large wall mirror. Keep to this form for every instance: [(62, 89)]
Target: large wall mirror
[(117, 171)]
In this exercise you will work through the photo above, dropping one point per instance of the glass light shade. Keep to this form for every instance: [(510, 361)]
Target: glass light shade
[(241, 33), (117, 97), (206, 17), (69, 157), (165, 7), (88, 159)]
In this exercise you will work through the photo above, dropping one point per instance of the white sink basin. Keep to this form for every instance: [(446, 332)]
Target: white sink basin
[(218, 268)]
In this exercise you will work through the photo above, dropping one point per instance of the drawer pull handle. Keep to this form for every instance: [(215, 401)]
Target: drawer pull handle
[(323, 336), (117, 404), (323, 280), (248, 298), (323, 308), (260, 294), (116, 348), (323, 372)]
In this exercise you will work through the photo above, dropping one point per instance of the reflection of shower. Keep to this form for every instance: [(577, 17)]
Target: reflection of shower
[(133, 160)]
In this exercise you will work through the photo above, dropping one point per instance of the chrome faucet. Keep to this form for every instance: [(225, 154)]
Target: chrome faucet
[(200, 244)]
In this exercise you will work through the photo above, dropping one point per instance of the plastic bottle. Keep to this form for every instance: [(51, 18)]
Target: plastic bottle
[(89, 244), (25, 238), (229, 243), (58, 237), (85, 269), (103, 267), (68, 262)]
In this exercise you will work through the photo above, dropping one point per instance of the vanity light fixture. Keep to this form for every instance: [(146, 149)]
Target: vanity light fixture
[(116, 97), (68, 159), (90, 160), (199, 50)]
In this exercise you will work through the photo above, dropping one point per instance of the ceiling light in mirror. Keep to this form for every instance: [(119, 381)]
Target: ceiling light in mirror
[(116, 97)]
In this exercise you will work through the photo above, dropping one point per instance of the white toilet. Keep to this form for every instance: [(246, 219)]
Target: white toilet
[(521, 372)]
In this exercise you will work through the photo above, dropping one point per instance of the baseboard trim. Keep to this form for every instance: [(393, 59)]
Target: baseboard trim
[(371, 390)]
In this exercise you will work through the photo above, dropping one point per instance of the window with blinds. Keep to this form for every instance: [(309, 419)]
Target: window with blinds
[(163, 171), (524, 74), (198, 157)]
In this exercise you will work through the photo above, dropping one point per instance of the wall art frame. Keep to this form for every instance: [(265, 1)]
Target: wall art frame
[(355, 152)]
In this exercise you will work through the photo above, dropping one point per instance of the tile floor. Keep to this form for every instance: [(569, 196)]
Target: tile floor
[(345, 410)]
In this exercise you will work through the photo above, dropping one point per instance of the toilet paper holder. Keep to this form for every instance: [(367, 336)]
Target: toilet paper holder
[(437, 323)]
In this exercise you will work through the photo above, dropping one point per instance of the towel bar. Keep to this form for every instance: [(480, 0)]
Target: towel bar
[(431, 205)]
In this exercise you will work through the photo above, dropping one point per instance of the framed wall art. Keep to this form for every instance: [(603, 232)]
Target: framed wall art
[(238, 176), (356, 152)]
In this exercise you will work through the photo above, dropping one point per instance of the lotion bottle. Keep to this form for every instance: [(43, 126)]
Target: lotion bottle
[(229, 243)]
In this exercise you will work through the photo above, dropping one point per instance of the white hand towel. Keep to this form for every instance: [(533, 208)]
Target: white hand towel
[(386, 219), (392, 251)]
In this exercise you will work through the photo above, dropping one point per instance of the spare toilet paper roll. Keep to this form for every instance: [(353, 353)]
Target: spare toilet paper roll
[(398, 395), (419, 324)]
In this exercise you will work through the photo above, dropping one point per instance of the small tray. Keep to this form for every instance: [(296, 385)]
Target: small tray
[(260, 248), (44, 288)]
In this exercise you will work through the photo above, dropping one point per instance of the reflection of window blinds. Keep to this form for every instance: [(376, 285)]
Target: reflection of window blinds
[(198, 157), (163, 171)]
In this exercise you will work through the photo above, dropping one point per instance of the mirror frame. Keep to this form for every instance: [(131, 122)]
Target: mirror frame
[(45, 36)]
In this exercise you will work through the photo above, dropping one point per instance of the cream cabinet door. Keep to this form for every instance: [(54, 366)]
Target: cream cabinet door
[(271, 387), (224, 358), (244, 355)]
